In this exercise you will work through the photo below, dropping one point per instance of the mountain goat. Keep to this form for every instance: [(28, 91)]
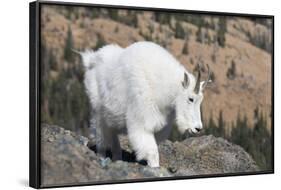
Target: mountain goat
[(141, 90)]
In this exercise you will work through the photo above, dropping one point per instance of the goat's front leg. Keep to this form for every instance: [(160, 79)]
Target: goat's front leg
[(145, 146), (102, 136)]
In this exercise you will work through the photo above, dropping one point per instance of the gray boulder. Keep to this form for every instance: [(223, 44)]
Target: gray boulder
[(66, 159)]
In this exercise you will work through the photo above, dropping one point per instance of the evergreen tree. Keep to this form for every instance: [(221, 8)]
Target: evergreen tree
[(213, 77), (162, 18), (113, 14), (221, 125), (45, 83), (185, 48), (231, 72), (52, 61), (199, 35), (95, 13), (100, 42), (179, 33), (69, 45), (212, 127), (133, 21), (235, 132), (222, 31)]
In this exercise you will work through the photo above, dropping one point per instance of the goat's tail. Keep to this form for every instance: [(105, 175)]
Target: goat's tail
[(88, 58)]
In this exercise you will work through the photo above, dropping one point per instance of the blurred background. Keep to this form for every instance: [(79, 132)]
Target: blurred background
[(237, 106)]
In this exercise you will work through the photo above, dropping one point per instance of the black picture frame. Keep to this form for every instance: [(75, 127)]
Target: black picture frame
[(35, 89)]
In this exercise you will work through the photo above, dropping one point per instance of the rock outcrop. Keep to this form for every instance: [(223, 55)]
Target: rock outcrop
[(66, 159)]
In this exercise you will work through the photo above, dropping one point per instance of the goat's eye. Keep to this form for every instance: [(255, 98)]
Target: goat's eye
[(190, 99)]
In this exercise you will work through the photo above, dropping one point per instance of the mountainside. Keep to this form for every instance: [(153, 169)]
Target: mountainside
[(66, 159), (239, 58)]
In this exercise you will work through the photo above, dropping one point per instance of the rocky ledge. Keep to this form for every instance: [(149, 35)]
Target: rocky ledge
[(66, 159)]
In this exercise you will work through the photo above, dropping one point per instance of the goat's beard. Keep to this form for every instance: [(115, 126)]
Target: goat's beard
[(182, 125)]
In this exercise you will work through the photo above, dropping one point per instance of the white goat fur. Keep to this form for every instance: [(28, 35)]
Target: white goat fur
[(139, 88)]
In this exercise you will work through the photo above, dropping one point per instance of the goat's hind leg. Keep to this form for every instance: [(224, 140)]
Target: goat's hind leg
[(108, 140), (102, 140), (115, 146), (97, 136)]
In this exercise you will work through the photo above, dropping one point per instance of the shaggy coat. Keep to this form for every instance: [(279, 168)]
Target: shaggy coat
[(140, 89)]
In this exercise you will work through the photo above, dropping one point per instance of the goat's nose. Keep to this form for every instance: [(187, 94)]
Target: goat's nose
[(198, 129)]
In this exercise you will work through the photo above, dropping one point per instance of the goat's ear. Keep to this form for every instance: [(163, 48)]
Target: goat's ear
[(185, 81), (203, 84)]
